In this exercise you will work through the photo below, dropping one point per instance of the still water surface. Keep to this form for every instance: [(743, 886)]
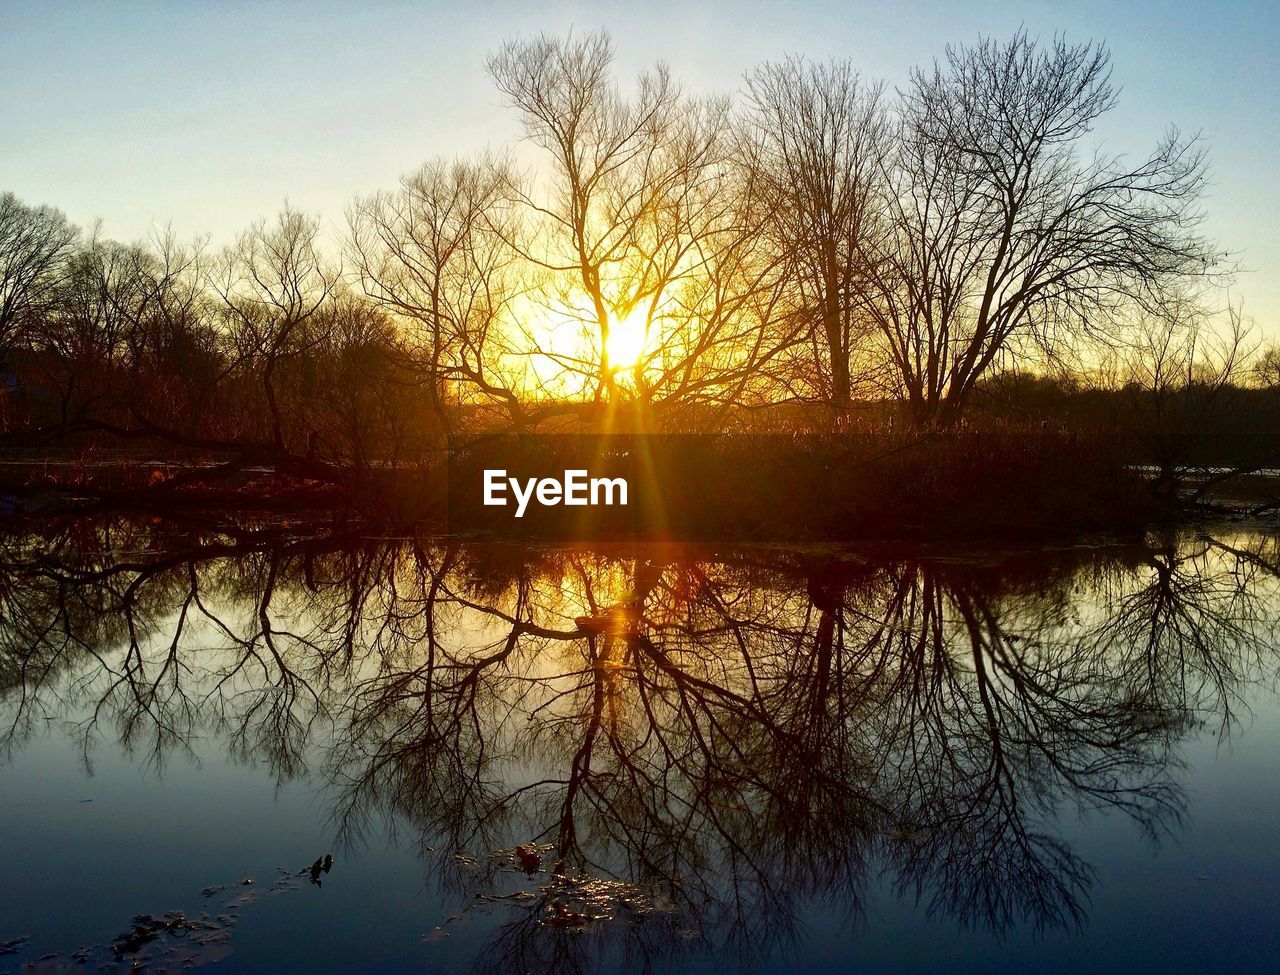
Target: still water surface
[(635, 759)]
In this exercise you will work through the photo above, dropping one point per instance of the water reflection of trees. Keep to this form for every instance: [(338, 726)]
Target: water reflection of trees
[(733, 734)]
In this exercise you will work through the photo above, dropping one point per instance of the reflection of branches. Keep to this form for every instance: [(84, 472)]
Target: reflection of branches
[(1168, 635), (736, 736), (116, 628)]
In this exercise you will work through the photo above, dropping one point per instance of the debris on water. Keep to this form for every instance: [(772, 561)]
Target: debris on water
[(174, 942), (169, 943), (55, 964), (558, 899), (559, 915), (147, 928), (322, 865), (528, 859)]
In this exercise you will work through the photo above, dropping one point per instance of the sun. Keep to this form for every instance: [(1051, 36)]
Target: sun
[(565, 336), (629, 338)]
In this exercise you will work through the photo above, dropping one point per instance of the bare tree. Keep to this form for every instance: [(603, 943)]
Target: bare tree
[(35, 243), (707, 332), (607, 175), (1181, 374), (80, 338), (816, 137), (1006, 239), (273, 284), (437, 254), (174, 348), (642, 225)]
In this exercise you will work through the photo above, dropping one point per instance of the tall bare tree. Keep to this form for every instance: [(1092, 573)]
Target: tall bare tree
[(816, 139), (641, 222), (1006, 238), (609, 170)]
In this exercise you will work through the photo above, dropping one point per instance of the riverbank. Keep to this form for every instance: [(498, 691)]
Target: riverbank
[(1002, 482)]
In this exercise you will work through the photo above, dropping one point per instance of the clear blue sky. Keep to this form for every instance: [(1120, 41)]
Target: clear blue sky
[(208, 115)]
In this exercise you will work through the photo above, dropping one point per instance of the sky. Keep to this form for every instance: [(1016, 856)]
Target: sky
[(206, 116)]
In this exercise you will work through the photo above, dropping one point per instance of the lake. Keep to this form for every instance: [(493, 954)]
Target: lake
[(257, 746)]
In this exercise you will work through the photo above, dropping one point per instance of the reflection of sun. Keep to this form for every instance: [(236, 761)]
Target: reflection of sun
[(628, 340)]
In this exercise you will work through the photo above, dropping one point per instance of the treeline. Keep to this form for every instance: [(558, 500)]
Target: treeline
[(818, 249)]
